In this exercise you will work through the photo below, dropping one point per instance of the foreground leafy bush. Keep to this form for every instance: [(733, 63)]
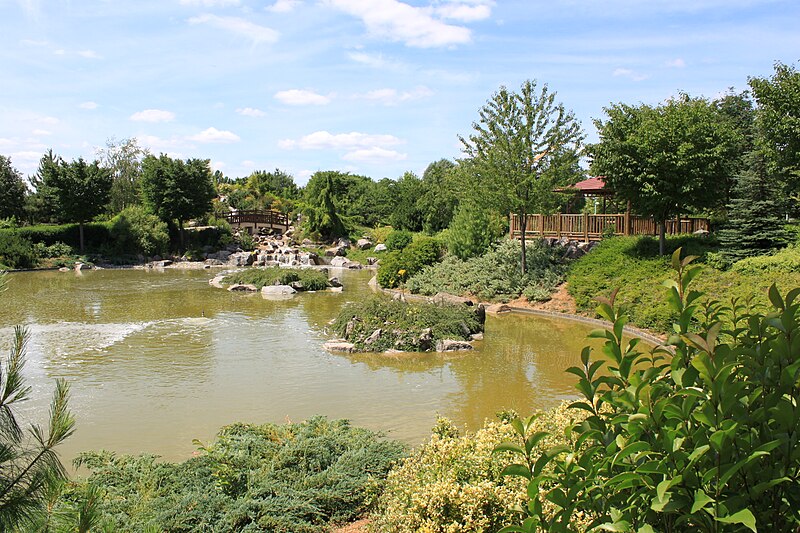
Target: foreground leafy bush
[(454, 483), (285, 478), (312, 280), (496, 274), (701, 434), (397, 266), (402, 325)]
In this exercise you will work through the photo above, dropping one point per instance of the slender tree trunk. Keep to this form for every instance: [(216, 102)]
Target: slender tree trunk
[(180, 235), (523, 227), (662, 243), (80, 233)]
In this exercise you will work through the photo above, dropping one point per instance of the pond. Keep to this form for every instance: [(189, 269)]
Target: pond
[(158, 358)]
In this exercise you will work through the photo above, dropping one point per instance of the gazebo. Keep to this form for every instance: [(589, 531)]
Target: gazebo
[(594, 187)]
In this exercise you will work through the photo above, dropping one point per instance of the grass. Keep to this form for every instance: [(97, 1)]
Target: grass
[(633, 265), (312, 280)]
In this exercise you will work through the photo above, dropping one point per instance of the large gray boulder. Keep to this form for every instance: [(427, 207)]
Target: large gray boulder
[(277, 290), (342, 262), (363, 244), (450, 345), (339, 346), (241, 259), (243, 287), (447, 298), (380, 247)]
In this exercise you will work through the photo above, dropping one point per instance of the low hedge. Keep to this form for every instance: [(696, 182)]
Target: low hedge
[(95, 234)]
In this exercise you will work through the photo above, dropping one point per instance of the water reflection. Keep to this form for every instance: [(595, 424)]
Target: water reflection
[(156, 359)]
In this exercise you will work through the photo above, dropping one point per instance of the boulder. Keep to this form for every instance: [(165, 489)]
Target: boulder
[(307, 242), (339, 261), (343, 243), (480, 313), (339, 346), (446, 298), (373, 282), (334, 282), (477, 336), (496, 309), (363, 244), (336, 251), (354, 265), (213, 262), (380, 247), (243, 287), (216, 281), (425, 340), (373, 338), (372, 261), (241, 259), (277, 290), (309, 258), (156, 264), (297, 285), (450, 345)]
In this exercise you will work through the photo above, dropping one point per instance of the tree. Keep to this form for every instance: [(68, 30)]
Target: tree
[(177, 190), (124, 159), (29, 466), (277, 183), (406, 213), (519, 143), (321, 210), (42, 204), (12, 190), (438, 201), (81, 190), (778, 124), (665, 159)]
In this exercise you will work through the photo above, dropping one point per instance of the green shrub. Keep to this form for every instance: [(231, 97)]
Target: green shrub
[(298, 477), (16, 251), (56, 250), (398, 239), (471, 232), (380, 234), (312, 280), (701, 434), (211, 237), (245, 241), (496, 274), (454, 483), (401, 324), (136, 231), (96, 234), (397, 266), (783, 261)]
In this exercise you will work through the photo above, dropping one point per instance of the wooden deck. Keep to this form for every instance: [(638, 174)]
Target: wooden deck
[(587, 227), (255, 220)]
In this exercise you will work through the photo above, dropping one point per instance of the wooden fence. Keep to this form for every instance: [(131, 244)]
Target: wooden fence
[(587, 227)]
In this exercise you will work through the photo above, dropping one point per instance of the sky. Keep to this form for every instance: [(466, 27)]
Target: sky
[(373, 87)]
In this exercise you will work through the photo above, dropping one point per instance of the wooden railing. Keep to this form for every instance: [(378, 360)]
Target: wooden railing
[(262, 218), (587, 227)]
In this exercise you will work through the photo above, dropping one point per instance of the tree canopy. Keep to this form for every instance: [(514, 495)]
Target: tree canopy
[(665, 159), (12, 190), (124, 159), (520, 147)]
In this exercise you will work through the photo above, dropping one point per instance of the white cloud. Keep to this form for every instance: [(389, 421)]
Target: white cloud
[(393, 97), (60, 52), (153, 115), (372, 60), (676, 63), (41, 132), (398, 21), (465, 11), (245, 28), (347, 141), (283, 6), (210, 3), (218, 165), (373, 154), (33, 42), (89, 54), (157, 145), (302, 97), (88, 105), (248, 164), (628, 73), (213, 135), (250, 112)]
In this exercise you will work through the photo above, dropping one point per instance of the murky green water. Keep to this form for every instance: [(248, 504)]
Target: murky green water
[(156, 359)]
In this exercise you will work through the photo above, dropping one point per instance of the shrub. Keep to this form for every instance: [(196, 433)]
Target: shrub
[(398, 239), (16, 251), (785, 261), (312, 280), (471, 232), (396, 267), (496, 274), (136, 231), (58, 249), (292, 477), (380, 234), (701, 434), (96, 234), (454, 483), (401, 324)]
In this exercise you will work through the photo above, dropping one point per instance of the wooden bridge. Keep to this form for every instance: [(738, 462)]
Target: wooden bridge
[(587, 227), (255, 220)]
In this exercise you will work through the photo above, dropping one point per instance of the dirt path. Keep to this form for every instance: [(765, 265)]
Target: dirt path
[(359, 526)]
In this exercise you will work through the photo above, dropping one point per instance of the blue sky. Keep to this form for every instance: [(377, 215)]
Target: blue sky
[(376, 87)]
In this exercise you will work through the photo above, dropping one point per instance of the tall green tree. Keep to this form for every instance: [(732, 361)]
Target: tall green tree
[(439, 200), (12, 190), (666, 159), (778, 124), (29, 466), (277, 183), (42, 204), (519, 144), (81, 189), (124, 159), (323, 215), (407, 214), (176, 190)]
